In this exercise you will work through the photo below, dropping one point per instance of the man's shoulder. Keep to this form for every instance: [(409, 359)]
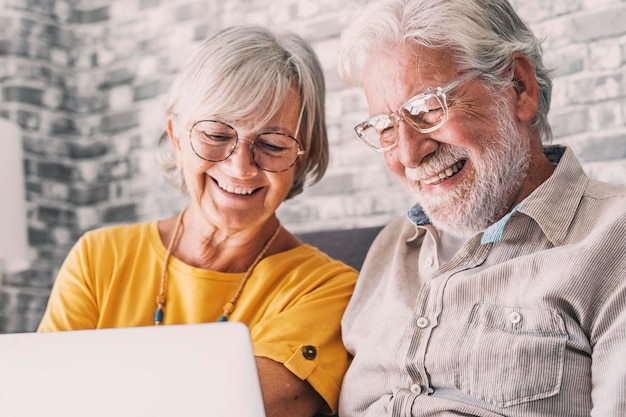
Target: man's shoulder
[(606, 202), (599, 190), (398, 231), (399, 227)]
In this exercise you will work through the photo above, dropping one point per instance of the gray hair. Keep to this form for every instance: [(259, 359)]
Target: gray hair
[(245, 73), (482, 34)]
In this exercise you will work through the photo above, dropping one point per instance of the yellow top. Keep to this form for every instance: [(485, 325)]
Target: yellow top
[(292, 303)]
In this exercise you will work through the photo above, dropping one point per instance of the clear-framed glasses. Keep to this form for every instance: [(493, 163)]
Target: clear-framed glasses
[(425, 112), (215, 141)]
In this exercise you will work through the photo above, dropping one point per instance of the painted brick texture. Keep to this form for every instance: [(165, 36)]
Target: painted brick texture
[(85, 80)]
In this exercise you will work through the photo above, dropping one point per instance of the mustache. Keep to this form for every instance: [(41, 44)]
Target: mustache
[(444, 157)]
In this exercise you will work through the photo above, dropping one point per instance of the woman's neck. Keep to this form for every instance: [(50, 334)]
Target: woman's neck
[(204, 245)]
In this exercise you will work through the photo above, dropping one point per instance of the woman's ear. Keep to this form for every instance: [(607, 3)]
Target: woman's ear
[(173, 130), (525, 87)]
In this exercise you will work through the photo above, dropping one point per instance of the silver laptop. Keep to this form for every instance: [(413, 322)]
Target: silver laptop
[(174, 371)]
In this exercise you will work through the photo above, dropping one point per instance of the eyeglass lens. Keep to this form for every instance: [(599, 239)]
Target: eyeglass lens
[(424, 113), (216, 141)]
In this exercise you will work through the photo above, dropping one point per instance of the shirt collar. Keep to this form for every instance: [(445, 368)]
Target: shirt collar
[(565, 185), (554, 203)]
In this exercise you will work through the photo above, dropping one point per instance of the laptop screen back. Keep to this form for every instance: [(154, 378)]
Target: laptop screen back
[(180, 370)]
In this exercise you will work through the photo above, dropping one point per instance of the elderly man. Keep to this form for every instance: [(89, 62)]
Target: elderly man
[(504, 291)]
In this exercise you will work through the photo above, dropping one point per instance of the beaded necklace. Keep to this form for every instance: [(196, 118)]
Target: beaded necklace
[(229, 307)]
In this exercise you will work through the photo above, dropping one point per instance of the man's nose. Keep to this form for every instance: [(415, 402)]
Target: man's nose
[(413, 145)]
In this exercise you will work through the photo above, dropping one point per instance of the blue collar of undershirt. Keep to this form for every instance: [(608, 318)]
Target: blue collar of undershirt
[(492, 234)]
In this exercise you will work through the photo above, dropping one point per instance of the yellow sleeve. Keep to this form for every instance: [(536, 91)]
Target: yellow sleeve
[(72, 304), (302, 324)]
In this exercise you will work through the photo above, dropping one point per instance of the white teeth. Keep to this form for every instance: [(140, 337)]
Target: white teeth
[(446, 173), (234, 190)]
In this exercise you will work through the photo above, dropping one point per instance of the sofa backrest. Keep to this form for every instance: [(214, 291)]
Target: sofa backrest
[(347, 245)]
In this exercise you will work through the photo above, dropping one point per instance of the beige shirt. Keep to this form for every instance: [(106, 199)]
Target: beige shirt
[(526, 319)]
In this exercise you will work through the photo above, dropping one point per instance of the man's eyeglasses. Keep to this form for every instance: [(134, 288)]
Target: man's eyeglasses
[(215, 141), (425, 112)]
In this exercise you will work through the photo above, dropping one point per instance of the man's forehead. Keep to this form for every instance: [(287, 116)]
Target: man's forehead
[(394, 74)]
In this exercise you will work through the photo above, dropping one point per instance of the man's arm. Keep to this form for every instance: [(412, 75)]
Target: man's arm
[(608, 369)]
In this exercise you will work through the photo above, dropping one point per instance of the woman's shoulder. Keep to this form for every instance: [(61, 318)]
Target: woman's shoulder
[(121, 229), (306, 251), (306, 270), (306, 258), (121, 234)]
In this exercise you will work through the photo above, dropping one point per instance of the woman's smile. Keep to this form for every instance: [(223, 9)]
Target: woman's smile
[(232, 189)]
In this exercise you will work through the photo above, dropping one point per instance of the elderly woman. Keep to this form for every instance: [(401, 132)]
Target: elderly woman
[(246, 127)]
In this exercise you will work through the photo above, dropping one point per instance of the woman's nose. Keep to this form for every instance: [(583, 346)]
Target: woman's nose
[(242, 158)]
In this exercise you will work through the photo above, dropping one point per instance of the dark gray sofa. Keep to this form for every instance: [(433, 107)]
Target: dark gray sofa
[(347, 245)]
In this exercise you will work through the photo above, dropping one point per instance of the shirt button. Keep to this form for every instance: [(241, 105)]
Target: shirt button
[(309, 352), (515, 317), (430, 261), (416, 389), (422, 322)]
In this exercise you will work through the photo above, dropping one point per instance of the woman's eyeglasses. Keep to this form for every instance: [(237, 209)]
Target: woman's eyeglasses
[(215, 141)]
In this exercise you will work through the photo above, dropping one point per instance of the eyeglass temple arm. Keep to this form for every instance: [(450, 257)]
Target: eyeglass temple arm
[(463, 79)]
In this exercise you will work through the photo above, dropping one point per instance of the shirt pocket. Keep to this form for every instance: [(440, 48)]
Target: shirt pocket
[(511, 355)]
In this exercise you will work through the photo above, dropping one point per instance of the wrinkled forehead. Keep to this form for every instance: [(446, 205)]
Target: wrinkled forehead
[(391, 75), (281, 116)]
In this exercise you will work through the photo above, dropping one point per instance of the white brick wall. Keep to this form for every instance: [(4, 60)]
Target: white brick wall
[(103, 68)]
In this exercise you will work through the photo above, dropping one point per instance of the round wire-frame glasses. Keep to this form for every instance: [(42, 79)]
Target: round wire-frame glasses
[(215, 141), (425, 112)]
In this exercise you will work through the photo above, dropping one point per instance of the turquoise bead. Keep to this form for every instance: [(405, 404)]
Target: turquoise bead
[(158, 315)]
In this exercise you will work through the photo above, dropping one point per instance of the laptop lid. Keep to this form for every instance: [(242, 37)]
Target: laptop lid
[(178, 370)]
